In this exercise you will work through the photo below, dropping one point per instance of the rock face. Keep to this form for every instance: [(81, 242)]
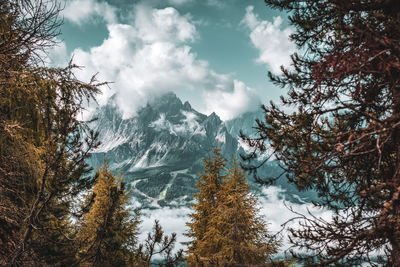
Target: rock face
[(159, 151)]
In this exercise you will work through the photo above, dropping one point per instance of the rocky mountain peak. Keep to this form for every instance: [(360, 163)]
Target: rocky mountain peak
[(160, 149), (164, 139), (187, 106), (168, 103)]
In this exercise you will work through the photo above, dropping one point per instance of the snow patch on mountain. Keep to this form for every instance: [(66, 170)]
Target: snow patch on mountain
[(221, 137), (111, 140), (187, 126), (191, 124), (142, 163), (119, 165), (148, 162), (163, 137)]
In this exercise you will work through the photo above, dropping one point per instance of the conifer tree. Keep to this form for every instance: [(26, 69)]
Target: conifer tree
[(40, 117), (43, 148), (208, 185), (108, 232), (235, 226), (42, 151), (157, 244), (344, 138), (225, 227)]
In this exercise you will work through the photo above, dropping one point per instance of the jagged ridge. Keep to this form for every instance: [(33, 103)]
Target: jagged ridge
[(160, 150)]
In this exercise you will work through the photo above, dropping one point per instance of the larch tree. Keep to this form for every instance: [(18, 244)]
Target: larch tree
[(42, 148), (343, 140), (226, 228), (208, 185), (108, 231), (42, 159), (236, 229)]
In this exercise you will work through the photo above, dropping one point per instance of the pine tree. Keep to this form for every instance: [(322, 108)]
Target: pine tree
[(344, 138), (108, 231), (208, 185)]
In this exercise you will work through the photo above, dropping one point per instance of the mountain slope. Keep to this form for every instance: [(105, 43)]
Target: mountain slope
[(160, 149)]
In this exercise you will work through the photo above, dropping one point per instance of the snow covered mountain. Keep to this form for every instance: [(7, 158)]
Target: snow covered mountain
[(159, 151)]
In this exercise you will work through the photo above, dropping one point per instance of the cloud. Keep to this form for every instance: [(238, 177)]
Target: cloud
[(55, 56), (274, 208), (229, 104), (163, 25), (180, 2), (271, 41), (152, 56), (172, 220), (82, 11)]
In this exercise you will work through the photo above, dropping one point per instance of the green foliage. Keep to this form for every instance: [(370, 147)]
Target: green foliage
[(225, 227), (343, 139)]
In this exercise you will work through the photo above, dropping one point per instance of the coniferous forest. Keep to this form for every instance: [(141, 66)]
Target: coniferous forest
[(336, 132)]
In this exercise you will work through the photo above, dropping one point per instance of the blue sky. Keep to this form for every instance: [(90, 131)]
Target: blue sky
[(213, 53)]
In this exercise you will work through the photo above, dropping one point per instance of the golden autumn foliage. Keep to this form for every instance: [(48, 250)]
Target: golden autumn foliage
[(236, 224), (225, 226), (42, 152), (209, 184), (108, 231)]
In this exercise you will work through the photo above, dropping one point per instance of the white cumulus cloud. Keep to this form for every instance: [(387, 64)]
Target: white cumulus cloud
[(55, 56), (270, 39), (152, 56), (230, 103), (81, 11)]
